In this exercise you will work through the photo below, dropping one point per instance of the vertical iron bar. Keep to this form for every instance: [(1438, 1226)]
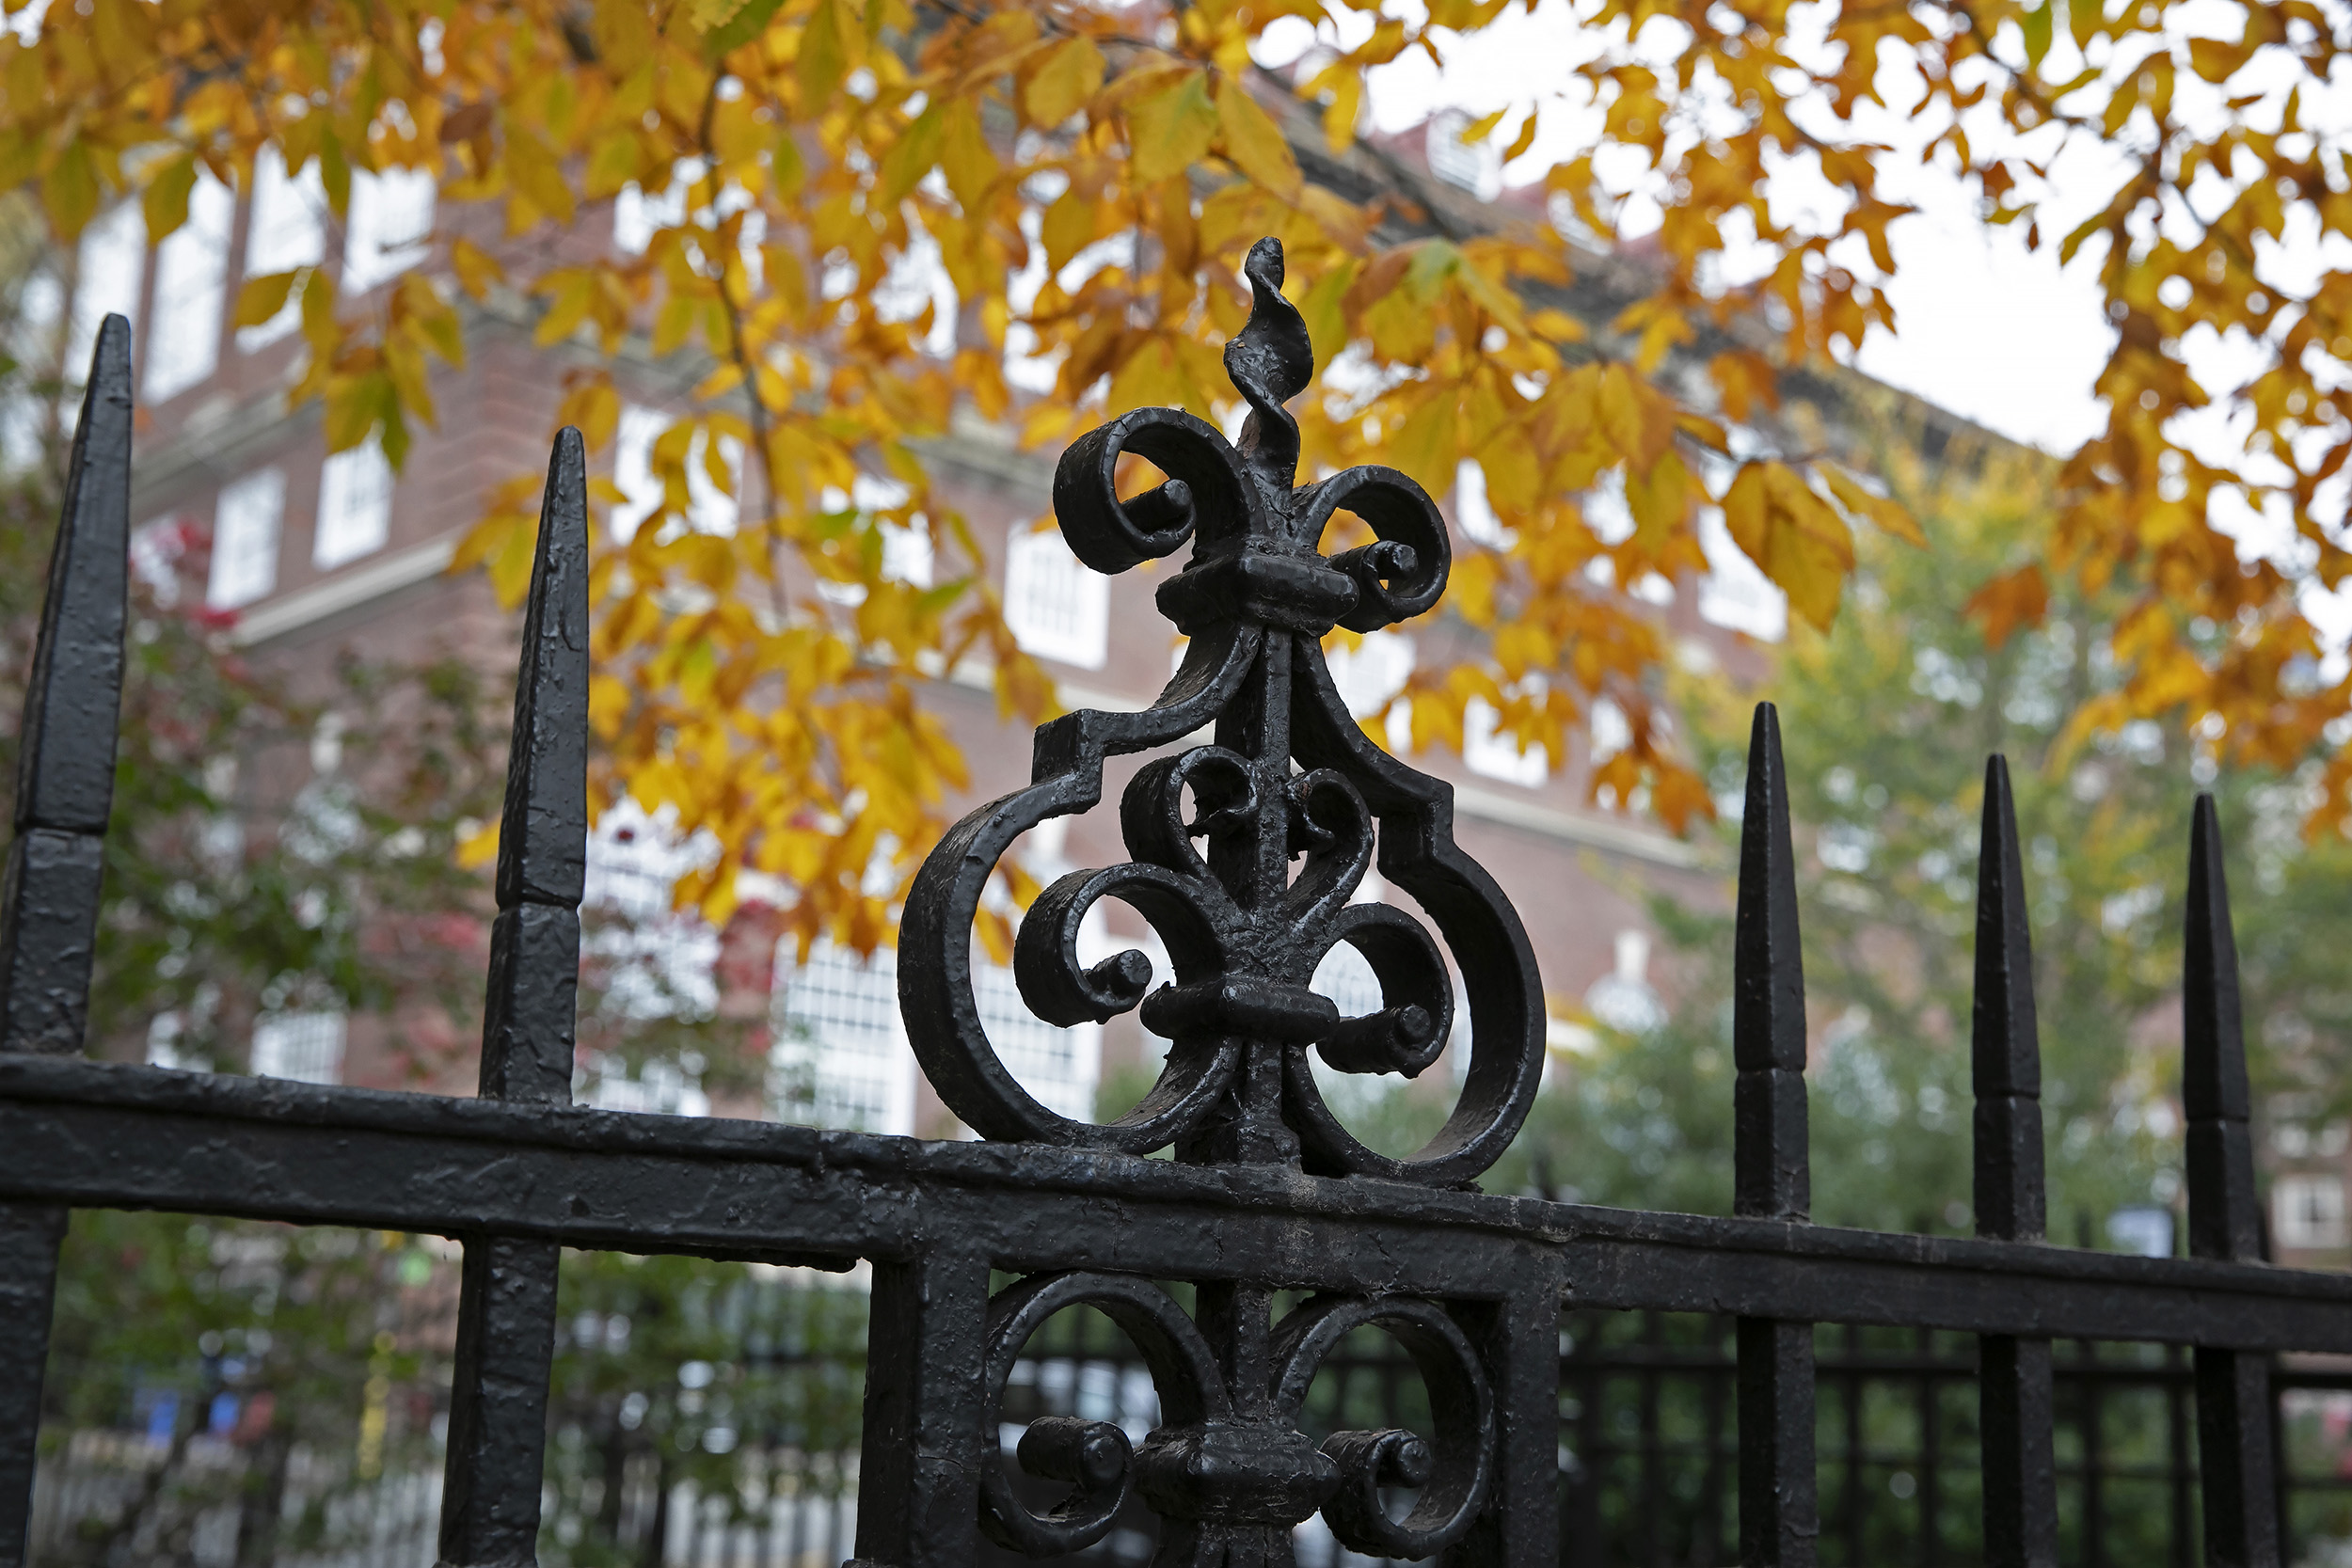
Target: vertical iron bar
[(2094, 1457), (2233, 1416), (1652, 1479), (922, 1447), (2176, 1456), (1771, 1178), (65, 778), (1518, 1339), (506, 1305), (1846, 1378), (1709, 1547), (1931, 1456), (2013, 1382)]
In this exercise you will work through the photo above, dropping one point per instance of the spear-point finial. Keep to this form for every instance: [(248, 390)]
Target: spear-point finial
[(2224, 1215), (2006, 1049), (1772, 1173)]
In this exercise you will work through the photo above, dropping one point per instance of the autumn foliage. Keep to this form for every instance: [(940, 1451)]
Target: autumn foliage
[(878, 202)]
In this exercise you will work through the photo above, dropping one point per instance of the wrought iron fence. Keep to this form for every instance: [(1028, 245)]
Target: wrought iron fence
[(1288, 1235)]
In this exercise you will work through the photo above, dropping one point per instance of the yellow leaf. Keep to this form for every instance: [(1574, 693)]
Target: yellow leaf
[(1889, 515), (1792, 535), (2018, 598), (1171, 132), (262, 298), (481, 847), (1480, 129), (1252, 140), (1066, 81), (477, 269), (1067, 229), (70, 190), (968, 161), (824, 57), (165, 199)]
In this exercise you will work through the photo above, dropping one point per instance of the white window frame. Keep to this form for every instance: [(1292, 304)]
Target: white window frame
[(355, 506), (304, 1047), (2307, 1209), (285, 230), (1055, 605), (390, 229), (110, 265), (191, 283), (247, 521)]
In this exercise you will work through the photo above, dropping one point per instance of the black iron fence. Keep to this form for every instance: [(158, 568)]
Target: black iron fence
[(1648, 1456), (1244, 1271)]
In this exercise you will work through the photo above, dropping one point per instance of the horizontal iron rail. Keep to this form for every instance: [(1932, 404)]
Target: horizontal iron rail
[(97, 1135)]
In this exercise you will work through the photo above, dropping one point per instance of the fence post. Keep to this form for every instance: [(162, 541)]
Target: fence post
[(506, 1302), (2234, 1416), (1779, 1519), (2013, 1388), (922, 1448), (65, 780)]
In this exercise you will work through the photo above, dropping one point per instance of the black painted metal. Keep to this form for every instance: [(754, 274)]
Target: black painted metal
[(65, 783), (506, 1305), (2014, 1390), (1269, 1198), (2234, 1397), (1772, 1177)]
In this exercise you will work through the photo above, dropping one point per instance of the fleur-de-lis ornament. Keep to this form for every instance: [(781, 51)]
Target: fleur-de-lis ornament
[(1289, 781)]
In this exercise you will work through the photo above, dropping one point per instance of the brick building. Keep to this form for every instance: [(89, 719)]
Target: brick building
[(312, 553)]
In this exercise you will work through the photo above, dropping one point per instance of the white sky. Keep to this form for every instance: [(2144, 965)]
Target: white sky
[(1993, 332), (1988, 329)]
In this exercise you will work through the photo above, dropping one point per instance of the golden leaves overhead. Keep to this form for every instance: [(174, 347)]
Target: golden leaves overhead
[(798, 159)]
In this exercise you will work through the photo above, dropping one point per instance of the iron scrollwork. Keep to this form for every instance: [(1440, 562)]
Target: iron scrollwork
[(1228, 1468), (1214, 830), (1290, 774)]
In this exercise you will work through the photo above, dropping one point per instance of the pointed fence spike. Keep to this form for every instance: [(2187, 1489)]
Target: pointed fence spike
[(2014, 1394), (543, 846), (48, 894), (2007, 1047), (1772, 1175), (1768, 1047), (72, 707), (528, 1029), (507, 1299), (2234, 1435)]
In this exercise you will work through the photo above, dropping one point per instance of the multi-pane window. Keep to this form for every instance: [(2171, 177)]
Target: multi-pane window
[(1057, 606), (1059, 1066), (391, 219), (284, 231), (2307, 1210), (245, 539), (109, 266), (306, 1047), (191, 276), (841, 1056), (355, 506)]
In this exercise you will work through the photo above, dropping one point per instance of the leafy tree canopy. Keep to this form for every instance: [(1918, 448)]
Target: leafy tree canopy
[(873, 203)]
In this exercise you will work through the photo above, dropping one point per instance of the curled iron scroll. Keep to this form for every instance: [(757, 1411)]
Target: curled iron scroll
[(1453, 1475), (1291, 775)]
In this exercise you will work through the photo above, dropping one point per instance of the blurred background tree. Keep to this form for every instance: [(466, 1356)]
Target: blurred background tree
[(1887, 719)]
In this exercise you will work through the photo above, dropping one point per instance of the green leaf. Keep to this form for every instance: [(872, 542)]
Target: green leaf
[(742, 28), (2037, 25), (1171, 132)]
